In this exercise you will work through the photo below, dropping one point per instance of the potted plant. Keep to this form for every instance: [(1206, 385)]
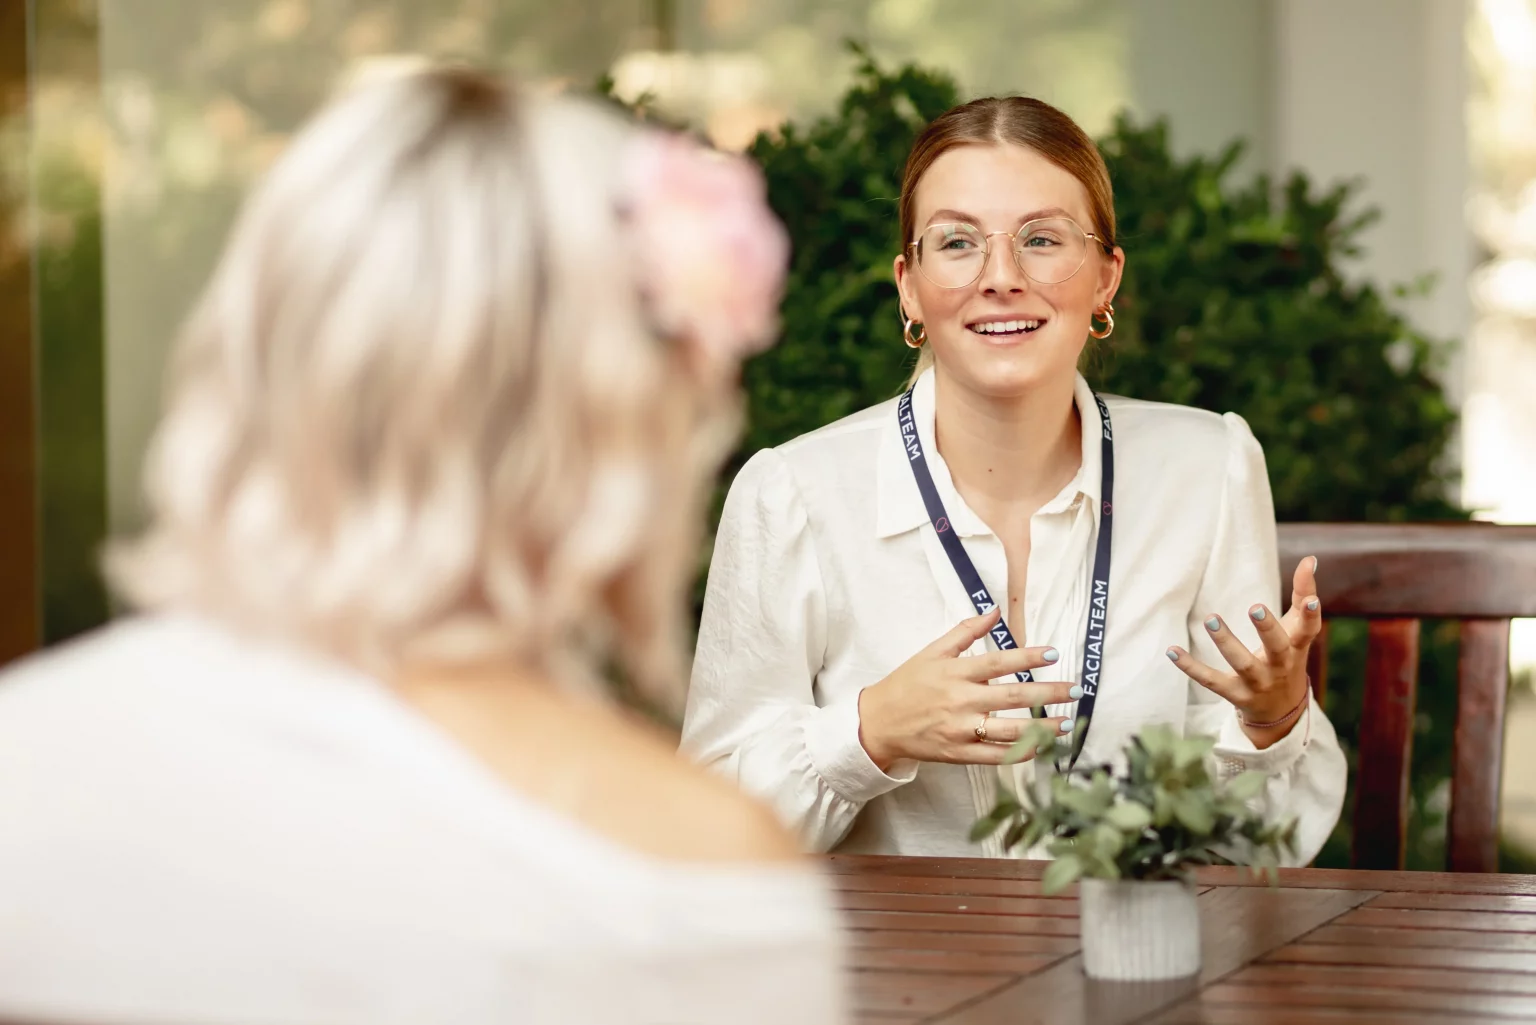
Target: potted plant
[(1132, 836)]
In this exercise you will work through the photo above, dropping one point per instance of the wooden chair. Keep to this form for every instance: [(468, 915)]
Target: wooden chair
[(1394, 575)]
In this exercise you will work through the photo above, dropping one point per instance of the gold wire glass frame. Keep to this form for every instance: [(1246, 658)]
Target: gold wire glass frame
[(1047, 250)]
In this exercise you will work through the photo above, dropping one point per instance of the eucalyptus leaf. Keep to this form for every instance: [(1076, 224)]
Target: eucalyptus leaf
[(1128, 817), (1108, 841), (1247, 785), (1157, 740), (1193, 814), (1036, 739), (985, 827), (1191, 750), (1062, 873)]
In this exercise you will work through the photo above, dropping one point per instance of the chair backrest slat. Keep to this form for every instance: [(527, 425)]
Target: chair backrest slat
[(1317, 665), (1394, 575), (1417, 570), (1473, 841), (1386, 743)]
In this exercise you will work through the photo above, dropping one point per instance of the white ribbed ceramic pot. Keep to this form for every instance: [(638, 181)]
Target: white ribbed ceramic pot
[(1139, 930)]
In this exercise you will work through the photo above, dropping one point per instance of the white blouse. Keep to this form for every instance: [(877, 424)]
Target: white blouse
[(197, 828), (827, 575)]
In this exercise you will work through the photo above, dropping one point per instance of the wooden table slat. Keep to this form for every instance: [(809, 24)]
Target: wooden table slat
[(981, 887), (927, 922), (1441, 939), (1358, 997), (1402, 918), (949, 904), (948, 960), (1457, 902), (1407, 957), (1400, 978), (1392, 882), (995, 943), (948, 868)]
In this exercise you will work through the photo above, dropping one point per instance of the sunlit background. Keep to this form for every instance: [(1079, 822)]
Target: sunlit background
[(150, 117)]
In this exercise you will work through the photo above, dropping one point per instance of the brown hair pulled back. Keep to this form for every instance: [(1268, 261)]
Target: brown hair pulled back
[(1024, 122)]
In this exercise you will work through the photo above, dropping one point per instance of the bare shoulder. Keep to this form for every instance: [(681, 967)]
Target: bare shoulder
[(678, 810)]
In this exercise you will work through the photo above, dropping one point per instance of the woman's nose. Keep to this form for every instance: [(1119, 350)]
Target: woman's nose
[(1000, 272)]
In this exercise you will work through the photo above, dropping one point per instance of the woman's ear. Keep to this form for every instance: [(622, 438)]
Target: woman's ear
[(1111, 269), (910, 307)]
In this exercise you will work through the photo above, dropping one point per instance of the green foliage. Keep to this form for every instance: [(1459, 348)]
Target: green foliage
[(1157, 819), (835, 184), (1235, 298)]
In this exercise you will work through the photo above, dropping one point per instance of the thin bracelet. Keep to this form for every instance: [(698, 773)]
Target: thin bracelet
[(1287, 717)]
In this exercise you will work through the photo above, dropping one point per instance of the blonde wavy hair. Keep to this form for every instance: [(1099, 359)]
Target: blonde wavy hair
[(418, 414)]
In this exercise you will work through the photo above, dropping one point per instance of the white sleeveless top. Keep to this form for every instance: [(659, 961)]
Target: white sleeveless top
[(194, 827)]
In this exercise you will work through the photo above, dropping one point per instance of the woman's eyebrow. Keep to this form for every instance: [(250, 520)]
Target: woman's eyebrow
[(941, 216), (1049, 211)]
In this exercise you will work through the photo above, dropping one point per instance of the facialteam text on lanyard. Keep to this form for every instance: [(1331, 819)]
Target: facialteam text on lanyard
[(981, 598)]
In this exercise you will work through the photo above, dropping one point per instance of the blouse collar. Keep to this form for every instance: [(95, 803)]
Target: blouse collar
[(899, 504)]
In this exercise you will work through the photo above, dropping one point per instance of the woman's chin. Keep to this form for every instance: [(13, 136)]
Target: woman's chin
[(1004, 369)]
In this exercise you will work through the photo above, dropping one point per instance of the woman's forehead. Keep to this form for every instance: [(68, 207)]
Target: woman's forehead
[(997, 187)]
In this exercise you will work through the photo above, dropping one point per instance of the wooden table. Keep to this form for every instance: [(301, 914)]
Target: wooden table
[(975, 941)]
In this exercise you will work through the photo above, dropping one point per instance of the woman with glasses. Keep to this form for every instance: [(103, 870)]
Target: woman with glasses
[(1095, 557), (432, 464)]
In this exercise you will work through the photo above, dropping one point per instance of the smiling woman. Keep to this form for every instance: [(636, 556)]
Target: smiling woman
[(842, 554)]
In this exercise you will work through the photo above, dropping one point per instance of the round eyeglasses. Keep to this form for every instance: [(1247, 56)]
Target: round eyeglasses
[(1048, 251)]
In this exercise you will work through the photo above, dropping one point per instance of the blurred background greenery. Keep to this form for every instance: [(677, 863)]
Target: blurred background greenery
[(1250, 286)]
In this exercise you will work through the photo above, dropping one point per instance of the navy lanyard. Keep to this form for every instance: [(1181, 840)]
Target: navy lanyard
[(981, 598)]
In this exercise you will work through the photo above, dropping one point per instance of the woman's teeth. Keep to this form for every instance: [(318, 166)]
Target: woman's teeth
[(1005, 327)]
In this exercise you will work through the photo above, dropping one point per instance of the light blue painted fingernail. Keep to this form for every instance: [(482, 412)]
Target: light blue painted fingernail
[(1067, 725), (1075, 693), (1213, 624), (1050, 654), (1258, 615), (1312, 605), (1173, 656)]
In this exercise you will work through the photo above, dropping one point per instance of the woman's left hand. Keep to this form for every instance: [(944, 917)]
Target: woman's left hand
[(1268, 685)]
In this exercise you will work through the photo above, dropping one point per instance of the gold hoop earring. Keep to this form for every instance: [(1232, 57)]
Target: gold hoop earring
[(1107, 313), (906, 334)]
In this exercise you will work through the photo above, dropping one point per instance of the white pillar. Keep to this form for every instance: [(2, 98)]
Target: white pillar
[(1377, 90)]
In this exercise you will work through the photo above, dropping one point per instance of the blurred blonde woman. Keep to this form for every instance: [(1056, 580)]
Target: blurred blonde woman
[(430, 470)]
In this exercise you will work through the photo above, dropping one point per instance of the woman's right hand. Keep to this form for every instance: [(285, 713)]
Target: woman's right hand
[(929, 709)]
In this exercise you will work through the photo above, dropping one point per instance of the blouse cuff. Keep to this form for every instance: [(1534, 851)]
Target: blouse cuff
[(1236, 753), (832, 740)]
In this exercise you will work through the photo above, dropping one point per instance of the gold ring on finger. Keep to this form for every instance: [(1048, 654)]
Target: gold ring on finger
[(981, 728)]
